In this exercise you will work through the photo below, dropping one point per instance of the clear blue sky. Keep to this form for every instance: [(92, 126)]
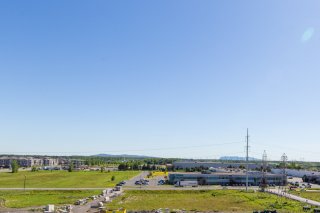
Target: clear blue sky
[(162, 78)]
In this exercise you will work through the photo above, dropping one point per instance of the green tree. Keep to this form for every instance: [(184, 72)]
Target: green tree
[(71, 167), (14, 166), (102, 169), (113, 178)]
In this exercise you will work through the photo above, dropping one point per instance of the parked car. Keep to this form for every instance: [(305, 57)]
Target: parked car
[(161, 182)]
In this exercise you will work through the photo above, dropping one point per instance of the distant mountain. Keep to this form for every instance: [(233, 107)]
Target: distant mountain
[(237, 158), (123, 156)]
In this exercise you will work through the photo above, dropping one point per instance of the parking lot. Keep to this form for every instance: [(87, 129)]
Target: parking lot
[(301, 183), (153, 184), (141, 181), (131, 182)]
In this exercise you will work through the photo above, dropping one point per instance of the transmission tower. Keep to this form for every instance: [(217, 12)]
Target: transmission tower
[(284, 160), (263, 182), (283, 166)]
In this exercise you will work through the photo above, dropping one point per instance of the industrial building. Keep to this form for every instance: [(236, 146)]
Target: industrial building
[(296, 173), (225, 178), (311, 179), (208, 164)]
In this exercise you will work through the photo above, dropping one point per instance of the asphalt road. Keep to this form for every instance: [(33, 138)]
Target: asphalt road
[(87, 207), (132, 181), (48, 189), (93, 206)]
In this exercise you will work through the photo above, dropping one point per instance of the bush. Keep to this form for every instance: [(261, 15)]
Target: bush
[(113, 178), (34, 169), (14, 166)]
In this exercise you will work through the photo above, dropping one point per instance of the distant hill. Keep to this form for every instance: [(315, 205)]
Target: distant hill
[(122, 156), (237, 158)]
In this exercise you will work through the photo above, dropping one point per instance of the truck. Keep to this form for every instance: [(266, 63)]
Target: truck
[(183, 183)]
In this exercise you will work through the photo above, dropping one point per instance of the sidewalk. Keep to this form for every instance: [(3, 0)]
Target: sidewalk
[(293, 197)]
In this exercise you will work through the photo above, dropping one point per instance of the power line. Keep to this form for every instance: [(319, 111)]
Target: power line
[(133, 150), (287, 148)]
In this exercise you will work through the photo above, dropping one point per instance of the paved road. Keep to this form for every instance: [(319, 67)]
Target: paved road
[(5, 210), (93, 205), (132, 181), (88, 206), (293, 197), (48, 189)]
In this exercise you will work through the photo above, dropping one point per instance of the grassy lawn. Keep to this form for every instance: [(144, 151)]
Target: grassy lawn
[(214, 200), (308, 195), (64, 179), (20, 199)]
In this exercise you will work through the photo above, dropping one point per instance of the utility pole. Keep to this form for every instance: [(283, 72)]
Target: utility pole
[(247, 159)]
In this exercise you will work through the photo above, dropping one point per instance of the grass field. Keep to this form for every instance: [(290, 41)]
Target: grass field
[(20, 199), (214, 200), (64, 179), (313, 195)]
